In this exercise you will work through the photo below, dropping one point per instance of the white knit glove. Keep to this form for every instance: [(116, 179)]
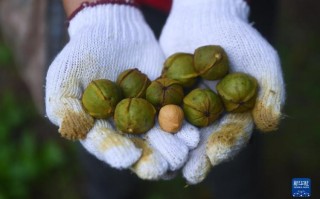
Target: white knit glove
[(105, 40), (192, 24)]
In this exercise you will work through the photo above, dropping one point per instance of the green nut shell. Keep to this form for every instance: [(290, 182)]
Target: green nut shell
[(238, 92), (211, 62), (133, 83), (202, 107), (134, 116), (164, 91), (100, 98), (179, 66)]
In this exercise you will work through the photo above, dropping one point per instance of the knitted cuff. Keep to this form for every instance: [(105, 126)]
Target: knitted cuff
[(117, 21), (214, 9), (100, 2)]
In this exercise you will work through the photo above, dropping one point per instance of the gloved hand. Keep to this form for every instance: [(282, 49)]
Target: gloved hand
[(105, 40), (192, 24)]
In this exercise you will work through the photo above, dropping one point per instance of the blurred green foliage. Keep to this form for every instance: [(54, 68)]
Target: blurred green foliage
[(23, 159), (29, 161), (5, 56), (293, 150)]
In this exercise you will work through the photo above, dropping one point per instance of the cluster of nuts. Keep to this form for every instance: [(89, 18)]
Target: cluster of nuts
[(133, 100)]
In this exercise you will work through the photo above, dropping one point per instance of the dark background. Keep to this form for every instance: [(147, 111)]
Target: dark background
[(36, 163)]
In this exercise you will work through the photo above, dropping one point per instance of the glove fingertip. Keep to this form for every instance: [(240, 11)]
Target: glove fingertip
[(75, 125), (151, 165), (173, 150), (116, 150), (196, 170), (190, 135), (121, 162), (266, 118), (227, 141)]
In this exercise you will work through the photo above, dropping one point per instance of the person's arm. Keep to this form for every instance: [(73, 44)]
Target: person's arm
[(71, 6)]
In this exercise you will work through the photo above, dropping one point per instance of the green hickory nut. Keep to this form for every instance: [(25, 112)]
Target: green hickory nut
[(133, 83), (100, 98), (238, 92), (211, 62), (134, 116), (179, 66), (164, 91), (202, 107)]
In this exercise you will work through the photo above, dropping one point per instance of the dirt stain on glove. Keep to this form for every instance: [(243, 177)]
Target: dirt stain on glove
[(145, 160), (111, 139), (227, 135), (267, 111), (229, 139), (75, 125), (146, 150), (266, 118), (151, 165)]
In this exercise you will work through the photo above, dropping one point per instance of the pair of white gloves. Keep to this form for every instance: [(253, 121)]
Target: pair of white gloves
[(107, 39)]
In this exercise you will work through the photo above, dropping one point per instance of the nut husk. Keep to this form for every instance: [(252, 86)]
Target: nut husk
[(133, 83), (211, 62), (164, 91), (170, 118), (179, 66), (134, 115), (100, 98), (202, 107), (238, 92)]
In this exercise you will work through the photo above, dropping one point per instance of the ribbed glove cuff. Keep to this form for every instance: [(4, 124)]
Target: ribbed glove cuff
[(214, 8), (100, 2)]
